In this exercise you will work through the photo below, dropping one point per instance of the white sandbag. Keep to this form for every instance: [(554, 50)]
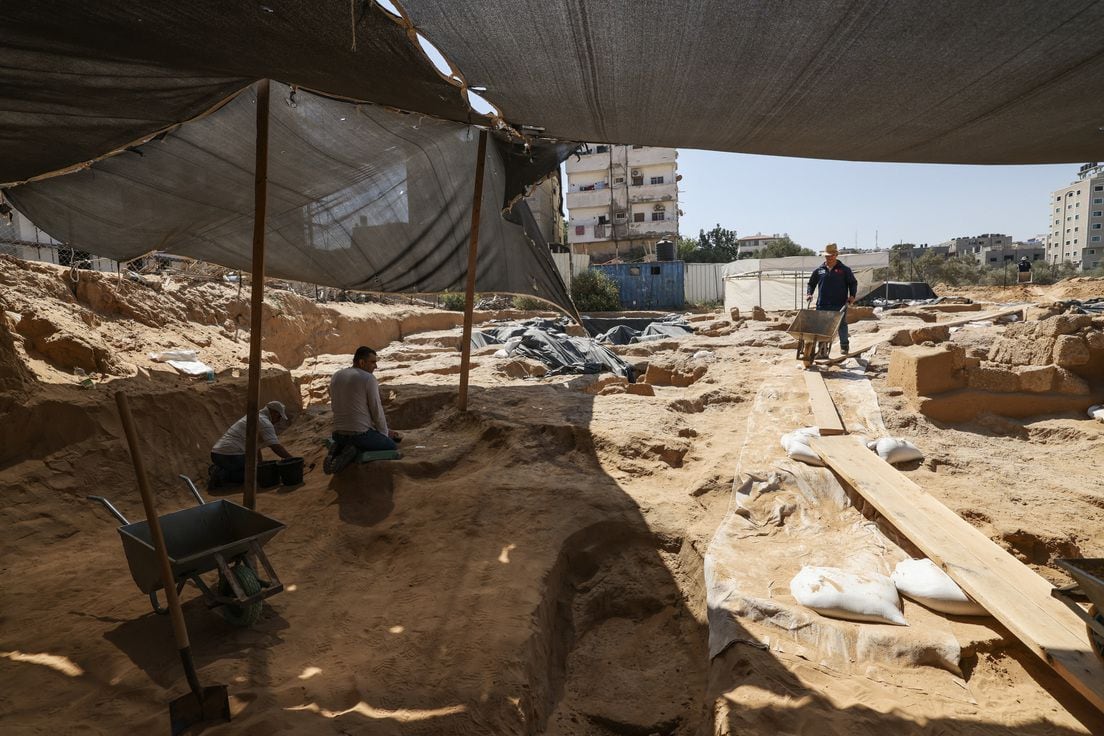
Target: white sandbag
[(796, 445), (895, 450), (184, 356), (501, 353), (924, 582), (835, 593), (1097, 412)]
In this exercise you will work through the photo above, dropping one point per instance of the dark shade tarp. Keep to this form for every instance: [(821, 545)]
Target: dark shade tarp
[(359, 197), (897, 291), (937, 81), (80, 79)]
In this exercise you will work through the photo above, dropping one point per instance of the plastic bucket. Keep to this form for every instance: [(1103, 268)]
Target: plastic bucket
[(268, 474), (291, 471)]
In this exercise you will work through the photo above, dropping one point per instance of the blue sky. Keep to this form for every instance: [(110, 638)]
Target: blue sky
[(820, 202)]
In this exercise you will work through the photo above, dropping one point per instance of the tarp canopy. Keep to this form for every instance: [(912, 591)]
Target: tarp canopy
[(780, 283), (938, 81), (359, 197)]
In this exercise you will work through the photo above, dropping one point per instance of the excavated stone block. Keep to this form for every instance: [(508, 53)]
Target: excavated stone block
[(1036, 379), (1094, 339), (1070, 350), (934, 333), (734, 314), (1043, 311), (1064, 324), (640, 389), (924, 371), (992, 379), (901, 338), (966, 404), (758, 315), (1068, 382)]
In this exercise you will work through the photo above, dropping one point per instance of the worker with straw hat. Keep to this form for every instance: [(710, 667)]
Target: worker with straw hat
[(837, 287)]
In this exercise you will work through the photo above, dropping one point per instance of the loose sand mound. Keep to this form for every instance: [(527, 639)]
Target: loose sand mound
[(533, 566)]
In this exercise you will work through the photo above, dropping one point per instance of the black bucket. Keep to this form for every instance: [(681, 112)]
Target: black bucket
[(291, 471), (268, 474)]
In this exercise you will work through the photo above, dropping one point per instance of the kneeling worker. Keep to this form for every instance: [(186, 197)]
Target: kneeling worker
[(228, 454), (358, 420)]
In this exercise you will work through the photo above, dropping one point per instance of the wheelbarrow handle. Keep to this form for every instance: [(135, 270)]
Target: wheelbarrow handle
[(193, 489), (110, 507)]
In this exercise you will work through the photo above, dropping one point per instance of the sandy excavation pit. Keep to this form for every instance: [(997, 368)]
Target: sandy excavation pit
[(534, 566)]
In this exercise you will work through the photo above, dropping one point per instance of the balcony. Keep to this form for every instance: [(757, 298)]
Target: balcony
[(662, 227), (591, 198), (653, 193)]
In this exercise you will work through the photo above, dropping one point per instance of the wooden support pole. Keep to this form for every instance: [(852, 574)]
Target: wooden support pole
[(469, 291), (256, 296)]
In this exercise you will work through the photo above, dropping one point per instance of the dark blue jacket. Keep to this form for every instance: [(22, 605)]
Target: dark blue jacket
[(835, 285)]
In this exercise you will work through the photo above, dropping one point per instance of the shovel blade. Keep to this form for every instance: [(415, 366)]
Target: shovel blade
[(189, 714)]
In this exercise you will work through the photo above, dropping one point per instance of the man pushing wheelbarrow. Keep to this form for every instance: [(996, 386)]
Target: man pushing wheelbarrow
[(837, 288)]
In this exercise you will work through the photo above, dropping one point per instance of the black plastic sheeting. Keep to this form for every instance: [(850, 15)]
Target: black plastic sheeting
[(937, 81), (545, 340), (625, 335), (896, 291), (359, 197)]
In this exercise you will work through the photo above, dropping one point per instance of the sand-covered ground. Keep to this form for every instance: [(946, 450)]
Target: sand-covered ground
[(531, 566)]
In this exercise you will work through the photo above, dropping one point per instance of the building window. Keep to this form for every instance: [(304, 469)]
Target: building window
[(1095, 238), (620, 215), (1098, 213), (656, 270), (619, 180), (638, 217), (1098, 200), (601, 149), (603, 219), (580, 229), (657, 180), (638, 181), (994, 260), (1096, 226), (1099, 188), (658, 216)]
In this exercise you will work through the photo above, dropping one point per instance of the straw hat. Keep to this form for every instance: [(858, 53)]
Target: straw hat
[(830, 250)]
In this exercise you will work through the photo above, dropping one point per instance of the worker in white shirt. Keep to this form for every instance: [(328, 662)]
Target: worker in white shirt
[(359, 423), (228, 454)]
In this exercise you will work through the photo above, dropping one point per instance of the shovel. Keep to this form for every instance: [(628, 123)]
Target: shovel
[(203, 705)]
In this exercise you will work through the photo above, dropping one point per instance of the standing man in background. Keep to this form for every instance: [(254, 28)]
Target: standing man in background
[(838, 287), (358, 420)]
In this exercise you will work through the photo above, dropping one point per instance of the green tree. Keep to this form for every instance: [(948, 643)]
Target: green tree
[(719, 245), (783, 247), (594, 291), (686, 248)]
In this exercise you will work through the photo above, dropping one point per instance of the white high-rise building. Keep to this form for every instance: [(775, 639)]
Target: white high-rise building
[(1076, 232), (621, 198)]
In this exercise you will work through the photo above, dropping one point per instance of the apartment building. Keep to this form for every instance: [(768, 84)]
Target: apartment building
[(752, 244), (546, 202), (1076, 232), (621, 198), (978, 247)]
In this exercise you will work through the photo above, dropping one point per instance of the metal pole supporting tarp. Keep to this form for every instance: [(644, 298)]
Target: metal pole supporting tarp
[(469, 291), (256, 301)]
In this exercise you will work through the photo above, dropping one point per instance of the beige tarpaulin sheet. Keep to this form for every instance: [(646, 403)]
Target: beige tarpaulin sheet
[(784, 515), (779, 283)]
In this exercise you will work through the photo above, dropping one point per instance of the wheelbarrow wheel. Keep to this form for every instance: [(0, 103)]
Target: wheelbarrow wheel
[(1095, 639), (247, 579), (808, 352)]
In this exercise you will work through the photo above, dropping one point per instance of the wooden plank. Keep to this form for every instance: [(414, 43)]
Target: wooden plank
[(825, 414), (1006, 588)]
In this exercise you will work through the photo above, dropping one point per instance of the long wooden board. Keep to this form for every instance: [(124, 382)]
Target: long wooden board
[(825, 414), (1006, 588)]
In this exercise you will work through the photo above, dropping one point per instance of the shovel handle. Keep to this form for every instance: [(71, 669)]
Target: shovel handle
[(179, 630)]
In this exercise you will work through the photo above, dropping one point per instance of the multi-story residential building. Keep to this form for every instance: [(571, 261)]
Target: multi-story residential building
[(1076, 233), (979, 247), (755, 243), (546, 203), (621, 198)]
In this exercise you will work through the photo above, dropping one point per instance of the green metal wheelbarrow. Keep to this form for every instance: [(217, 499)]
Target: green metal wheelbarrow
[(1088, 588), (213, 536), (815, 330)]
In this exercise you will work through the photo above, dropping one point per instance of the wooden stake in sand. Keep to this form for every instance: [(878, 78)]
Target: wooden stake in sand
[(256, 296), (469, 290)]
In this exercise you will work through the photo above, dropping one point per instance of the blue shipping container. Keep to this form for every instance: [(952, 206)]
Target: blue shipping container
[(655, 285)]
